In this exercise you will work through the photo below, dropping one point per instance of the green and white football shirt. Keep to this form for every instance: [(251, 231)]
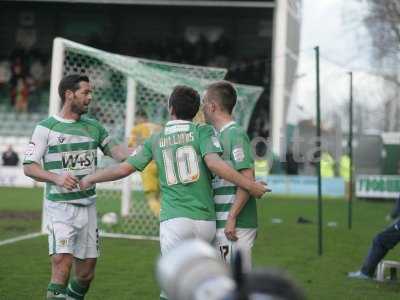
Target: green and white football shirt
[(68, 146), (238, 154), (184, 177)]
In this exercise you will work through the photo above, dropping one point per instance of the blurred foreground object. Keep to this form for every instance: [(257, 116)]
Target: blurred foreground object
[(193, 271)]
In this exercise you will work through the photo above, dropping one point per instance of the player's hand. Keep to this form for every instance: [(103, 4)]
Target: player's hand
[(258, 189), (230, 229), (67, 181), (85, 183)]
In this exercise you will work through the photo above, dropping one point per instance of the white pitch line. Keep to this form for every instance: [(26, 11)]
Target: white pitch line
[(128, 236), (102, 234), (20, 238)]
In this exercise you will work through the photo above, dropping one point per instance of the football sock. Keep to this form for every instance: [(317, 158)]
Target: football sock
[(75, 290), (56, 291)]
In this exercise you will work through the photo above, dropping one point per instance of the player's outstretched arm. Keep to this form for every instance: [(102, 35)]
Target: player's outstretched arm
[(225, 171), (36, 172), (109, 174), (120, 152)]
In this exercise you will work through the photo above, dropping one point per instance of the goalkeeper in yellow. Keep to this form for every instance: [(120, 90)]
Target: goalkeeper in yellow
[(151, 186)]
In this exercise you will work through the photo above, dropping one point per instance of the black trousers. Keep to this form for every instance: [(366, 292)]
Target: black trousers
[(396, 210), (382, 243)]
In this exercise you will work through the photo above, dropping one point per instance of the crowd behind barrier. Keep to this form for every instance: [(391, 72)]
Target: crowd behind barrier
[(25, 76)]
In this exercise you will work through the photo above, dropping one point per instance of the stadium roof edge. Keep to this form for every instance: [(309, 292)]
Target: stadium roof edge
[(198, 3)]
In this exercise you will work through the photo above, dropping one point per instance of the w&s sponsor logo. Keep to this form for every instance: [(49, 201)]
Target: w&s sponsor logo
[(78, 160)]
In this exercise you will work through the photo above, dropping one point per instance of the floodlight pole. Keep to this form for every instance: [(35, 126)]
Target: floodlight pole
[(318, 144), (350, 200)]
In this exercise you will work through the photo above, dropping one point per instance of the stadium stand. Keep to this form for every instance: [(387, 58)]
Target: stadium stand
[(213, 40), (19, 125)]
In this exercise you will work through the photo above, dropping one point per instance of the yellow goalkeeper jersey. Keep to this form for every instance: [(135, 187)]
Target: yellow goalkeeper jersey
[(139, 134)]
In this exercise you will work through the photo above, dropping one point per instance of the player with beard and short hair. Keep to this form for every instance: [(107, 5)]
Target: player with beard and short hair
[(63, 148)]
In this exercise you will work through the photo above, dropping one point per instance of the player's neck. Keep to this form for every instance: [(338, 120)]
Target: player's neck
[(175, 118), (221, 121), (67, 114)]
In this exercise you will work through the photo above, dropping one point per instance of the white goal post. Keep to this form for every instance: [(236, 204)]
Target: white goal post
[(57, 70), (124, 85)]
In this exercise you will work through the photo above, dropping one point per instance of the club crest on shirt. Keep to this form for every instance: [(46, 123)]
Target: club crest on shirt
[(61, 139), (238, 154), (216, 142)]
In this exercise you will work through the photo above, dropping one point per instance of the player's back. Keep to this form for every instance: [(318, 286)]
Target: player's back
[(184, 177)]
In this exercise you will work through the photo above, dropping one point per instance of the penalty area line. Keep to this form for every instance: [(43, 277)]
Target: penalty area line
[(128, 236), (20, 238)]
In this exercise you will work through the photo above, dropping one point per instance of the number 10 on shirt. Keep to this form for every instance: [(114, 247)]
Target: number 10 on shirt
[(186, 162)]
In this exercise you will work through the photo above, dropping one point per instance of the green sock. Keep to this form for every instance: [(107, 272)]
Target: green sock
[(56, 291), (75, 290)]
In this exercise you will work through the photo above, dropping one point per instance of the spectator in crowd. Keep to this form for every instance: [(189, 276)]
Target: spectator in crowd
[(327, 165), (381, 244), (344, 172), (26, 79), (261, 165), (292, 167), (19, 87), (395, 213), (266, 162), (10, 157)]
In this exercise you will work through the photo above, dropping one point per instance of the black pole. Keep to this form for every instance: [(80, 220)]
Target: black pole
[(318, 144), (350, 145)]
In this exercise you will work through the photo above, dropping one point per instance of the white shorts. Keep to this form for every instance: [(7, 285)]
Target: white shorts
[(244, 244), (175, 231), (72, 229)]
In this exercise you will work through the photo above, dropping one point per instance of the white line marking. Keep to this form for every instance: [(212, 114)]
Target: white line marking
[(20, 238), (129, 236)]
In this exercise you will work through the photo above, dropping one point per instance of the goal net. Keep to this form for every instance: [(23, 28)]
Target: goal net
[(123, 86)]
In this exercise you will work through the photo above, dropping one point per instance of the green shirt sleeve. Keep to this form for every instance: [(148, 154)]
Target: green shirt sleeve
[(209, 142), (141, 156), (241, 152)]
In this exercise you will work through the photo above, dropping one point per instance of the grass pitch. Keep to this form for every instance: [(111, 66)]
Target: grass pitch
[(126, 267)]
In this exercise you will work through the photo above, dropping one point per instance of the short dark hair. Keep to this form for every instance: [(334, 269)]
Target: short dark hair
[(225, 93), (185, 101), (70, 82)]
